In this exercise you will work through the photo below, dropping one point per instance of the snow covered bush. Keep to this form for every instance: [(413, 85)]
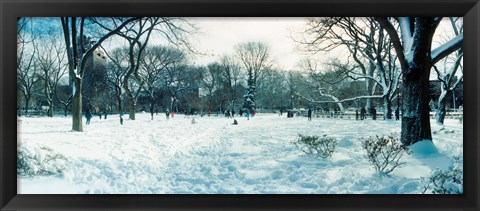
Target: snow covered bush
[(316, 146), (384, 152), (448, 181), (39, 160)]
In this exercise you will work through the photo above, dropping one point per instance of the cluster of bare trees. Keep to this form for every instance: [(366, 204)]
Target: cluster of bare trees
[(382, 59), (72, 63), (41, 64), (392, 57)]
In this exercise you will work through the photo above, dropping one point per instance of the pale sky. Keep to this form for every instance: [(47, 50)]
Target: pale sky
[(218, 36)]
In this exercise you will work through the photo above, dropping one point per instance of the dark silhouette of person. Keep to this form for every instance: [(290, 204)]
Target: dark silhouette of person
[(362, 113), (121, 118), (309, 114), (374, 113), (397, 114), (356, 114), (88, 115), (151, 112)]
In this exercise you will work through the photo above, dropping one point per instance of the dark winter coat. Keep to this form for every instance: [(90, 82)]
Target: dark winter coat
[(88, 115)]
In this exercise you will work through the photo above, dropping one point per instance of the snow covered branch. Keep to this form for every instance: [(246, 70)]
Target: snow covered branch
[(447, 48), (392, 32)]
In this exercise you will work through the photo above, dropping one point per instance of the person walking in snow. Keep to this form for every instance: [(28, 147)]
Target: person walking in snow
[(121, 118), (88, 115), (105, 114), (374, 113), (362, 113), (397, 114), (151, 112), (310, 113), (356, 114)]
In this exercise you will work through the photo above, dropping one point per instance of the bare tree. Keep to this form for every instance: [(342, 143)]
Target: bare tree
[(447, 77), (255, 57), (210, 81), (230, 78), (137, 34), (368, 48), (116, 70), (326, 84), (357, 35), (52, 64), (178, 79), (154, 62), (77, 54), (27, 72), (413, 46)]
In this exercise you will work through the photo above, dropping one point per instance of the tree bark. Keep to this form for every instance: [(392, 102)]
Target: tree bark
[(65, 110), (119, 103), (131, 103), (50, 108), (387, 108), (77, 107), (27, 103), (415, 115), (441, 111)]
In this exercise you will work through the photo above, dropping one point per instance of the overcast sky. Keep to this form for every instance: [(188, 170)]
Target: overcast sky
[(218, 36)]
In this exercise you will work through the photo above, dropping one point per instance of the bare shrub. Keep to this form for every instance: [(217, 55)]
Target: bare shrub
[(384, 152), (448, 181), (37, 160), (314, 145)]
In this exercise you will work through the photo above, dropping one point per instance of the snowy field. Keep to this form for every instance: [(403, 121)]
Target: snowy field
[(213, 156)]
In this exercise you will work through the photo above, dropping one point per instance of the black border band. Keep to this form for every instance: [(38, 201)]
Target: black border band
[(11, 9)]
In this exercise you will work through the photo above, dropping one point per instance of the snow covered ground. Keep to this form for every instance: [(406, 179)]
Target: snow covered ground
[(213, 156)]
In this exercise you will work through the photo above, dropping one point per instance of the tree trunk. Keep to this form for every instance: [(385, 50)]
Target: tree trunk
[(119, 103), (50, 108), (415, 116), (131, 101), (77, 107), (27, 103), (131, 108), (65, 110), (441, 111), (387, 108)]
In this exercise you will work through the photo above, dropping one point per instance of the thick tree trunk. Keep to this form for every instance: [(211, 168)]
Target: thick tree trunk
[(131, 101), (27, 103), (131, 108), (119, 104), (50, 108), (415, 116), (441, 111), (77, 107), (387, 108)]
